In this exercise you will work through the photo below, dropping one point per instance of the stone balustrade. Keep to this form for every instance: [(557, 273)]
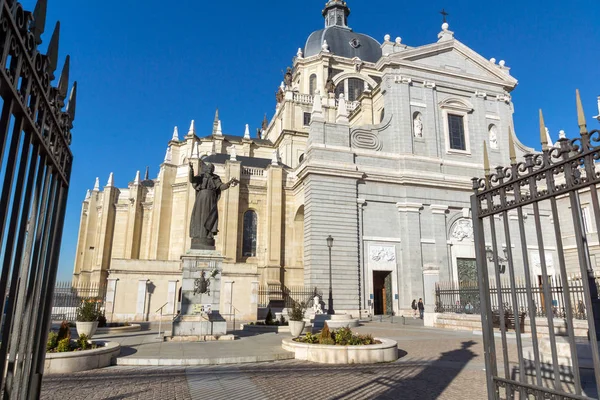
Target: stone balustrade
[(251, 171)]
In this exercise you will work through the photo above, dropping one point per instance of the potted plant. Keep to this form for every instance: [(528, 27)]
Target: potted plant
[(296, 317), (87, 317)]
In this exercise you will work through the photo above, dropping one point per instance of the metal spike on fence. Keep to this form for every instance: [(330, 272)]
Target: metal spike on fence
[(543, 136), (63, 82), (511, 146), (52, 53), (580, 114), (72, 102), (39, 20)]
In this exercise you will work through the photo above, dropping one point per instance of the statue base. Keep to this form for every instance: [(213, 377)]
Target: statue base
[(203, 244), (200, 295)]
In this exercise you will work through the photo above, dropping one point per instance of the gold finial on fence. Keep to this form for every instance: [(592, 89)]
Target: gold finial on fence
[(511, 146), (580, 114), (543, 135), (486, 160)]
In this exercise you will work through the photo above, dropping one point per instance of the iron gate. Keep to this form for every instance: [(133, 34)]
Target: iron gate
[(35, 169), (547, 364)]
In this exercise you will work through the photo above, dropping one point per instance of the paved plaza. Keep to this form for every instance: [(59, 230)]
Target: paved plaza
[(433, 364)]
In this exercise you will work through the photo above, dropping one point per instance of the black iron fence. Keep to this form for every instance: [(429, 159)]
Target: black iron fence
[(463, 297), (67, 297), (287, 295)]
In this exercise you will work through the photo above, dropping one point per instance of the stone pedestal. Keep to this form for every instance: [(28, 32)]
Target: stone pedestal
[(200, 296)]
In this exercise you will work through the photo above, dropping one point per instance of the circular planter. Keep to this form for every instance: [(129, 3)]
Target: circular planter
[(75, 361), (296, 327), (118, 329), (86, 328), (387, 351)]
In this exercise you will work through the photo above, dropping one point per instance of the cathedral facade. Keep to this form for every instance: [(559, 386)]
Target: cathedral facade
[(373, 144)]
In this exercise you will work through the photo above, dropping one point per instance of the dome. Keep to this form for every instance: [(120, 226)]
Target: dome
[(343, 42)]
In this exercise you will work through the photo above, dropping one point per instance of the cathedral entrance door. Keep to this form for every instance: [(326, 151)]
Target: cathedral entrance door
[(382, 292)]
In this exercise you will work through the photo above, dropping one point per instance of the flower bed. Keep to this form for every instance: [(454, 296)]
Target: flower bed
[(342, 346), (82, 360)]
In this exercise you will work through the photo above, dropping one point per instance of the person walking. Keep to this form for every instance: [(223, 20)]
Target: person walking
[(414, 308), (421, 307)]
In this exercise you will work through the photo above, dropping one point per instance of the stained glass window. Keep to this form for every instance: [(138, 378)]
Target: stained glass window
[(312, 83), (355, 88), (249, 240)]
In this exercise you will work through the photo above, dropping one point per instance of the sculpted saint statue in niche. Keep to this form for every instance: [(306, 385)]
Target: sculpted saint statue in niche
[(205, 217), (418, 125)]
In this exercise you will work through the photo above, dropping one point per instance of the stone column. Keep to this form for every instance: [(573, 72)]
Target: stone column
[(254, 287), (140, 309), (412, 258), (172, 298), (111, 295), (228, 299), (430, 278), (438, 213)]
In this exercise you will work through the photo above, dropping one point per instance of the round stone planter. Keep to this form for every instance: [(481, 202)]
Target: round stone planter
[(75, 361), (296, 327), (118, 329), (387, 351), (86, 328)]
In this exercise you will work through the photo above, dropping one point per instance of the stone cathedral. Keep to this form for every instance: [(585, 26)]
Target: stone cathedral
[(372, 143)]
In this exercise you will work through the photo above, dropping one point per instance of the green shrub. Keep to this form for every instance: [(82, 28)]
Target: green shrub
[(64, 332), (89, 310), (342, 336), (282, 320), (83, 342), (297, 312), (366, 339), (52, 341), (63, 346), (310, 338), (269, 320), (328, 341)]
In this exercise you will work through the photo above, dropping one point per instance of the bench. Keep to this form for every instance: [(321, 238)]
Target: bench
[(509, 320)]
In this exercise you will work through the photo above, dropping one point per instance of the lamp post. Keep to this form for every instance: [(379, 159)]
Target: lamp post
[(330, 305)]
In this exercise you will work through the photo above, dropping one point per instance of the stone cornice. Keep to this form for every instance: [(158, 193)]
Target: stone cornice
[(438, 209)]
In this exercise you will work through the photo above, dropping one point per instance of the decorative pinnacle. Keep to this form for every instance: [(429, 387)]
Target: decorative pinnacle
[(598, 116), (168, 154), (136, 181), (52, 53), (147, 174), (247, 132), (88, 194), (486, 159), (265, 123), (175, 135), (97, 184), (216, 122), (192, 130), (543, 136), (580, 114), (219, 129), (111, 180), (511, 147)]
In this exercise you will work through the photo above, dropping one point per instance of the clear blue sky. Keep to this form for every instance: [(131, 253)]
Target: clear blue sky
[(145, 66)]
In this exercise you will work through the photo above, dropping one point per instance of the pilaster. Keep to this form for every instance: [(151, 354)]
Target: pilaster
[(231, 211), (106, 230), (274, 223), (412, 258), (438, 214), (134, 221)]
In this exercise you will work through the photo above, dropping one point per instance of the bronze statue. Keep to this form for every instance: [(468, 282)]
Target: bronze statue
[(205, 217)]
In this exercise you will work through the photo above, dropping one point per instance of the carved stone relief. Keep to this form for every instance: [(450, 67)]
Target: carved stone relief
[(463, 229)]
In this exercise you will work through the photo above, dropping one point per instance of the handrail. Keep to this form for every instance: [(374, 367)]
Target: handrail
[(160, 318), (164, 305)]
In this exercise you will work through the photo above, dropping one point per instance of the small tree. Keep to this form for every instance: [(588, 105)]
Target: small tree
[(88, 311), (297, 312), (269, 320)]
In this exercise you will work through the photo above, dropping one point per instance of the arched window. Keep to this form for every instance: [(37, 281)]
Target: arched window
[(312, 84), (249, 240), (356, 87)]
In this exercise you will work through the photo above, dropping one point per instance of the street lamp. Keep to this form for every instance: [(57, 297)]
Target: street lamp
[(330, 305)]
